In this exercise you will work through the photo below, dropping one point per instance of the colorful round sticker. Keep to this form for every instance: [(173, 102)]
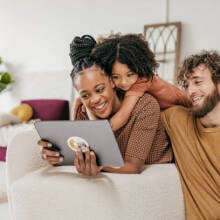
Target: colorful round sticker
[(74, 142)]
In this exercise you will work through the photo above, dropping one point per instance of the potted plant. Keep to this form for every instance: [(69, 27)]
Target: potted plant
[(5, 77)]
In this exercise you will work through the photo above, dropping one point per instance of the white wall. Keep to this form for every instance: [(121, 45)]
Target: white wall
[(35, 35), (200, 24)]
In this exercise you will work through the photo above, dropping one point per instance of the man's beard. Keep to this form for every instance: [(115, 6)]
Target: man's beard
[(209, 104)]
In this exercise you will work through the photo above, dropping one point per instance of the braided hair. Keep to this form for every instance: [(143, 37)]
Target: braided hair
[(80, 54), (129, 49)]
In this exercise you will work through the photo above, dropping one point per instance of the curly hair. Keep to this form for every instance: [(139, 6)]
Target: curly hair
[(211, 59), (80, 54), (129, 49)]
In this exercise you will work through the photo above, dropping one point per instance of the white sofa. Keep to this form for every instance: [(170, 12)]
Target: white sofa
[(6, 135), (38, 191)]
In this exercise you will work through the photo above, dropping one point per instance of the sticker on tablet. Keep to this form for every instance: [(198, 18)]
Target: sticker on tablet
[(74, 142)]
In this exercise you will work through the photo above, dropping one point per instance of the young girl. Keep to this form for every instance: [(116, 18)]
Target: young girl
[(131, 65)]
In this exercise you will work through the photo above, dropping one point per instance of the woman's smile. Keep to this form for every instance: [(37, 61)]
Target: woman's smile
[(100, 108)]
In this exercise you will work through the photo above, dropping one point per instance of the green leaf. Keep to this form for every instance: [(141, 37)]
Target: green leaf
[(6, 78), (2, 86)]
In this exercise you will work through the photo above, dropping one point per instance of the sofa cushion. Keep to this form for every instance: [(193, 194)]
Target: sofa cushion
[(2, 153), (49, 109)]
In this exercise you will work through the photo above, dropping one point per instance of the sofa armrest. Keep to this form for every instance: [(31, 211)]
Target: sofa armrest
[(23, 155)]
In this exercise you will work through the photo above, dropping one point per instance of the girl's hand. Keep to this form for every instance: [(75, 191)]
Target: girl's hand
[(139, 88)]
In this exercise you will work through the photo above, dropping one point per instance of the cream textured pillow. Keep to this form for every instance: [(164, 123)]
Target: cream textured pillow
[(7, 119)]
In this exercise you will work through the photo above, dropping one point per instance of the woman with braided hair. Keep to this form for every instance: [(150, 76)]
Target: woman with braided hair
[(141, 141)]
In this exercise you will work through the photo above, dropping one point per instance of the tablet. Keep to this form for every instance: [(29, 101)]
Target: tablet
[(67, 135)]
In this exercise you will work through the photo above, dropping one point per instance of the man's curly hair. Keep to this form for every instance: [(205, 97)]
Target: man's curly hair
[(129, 49), (211, 59)]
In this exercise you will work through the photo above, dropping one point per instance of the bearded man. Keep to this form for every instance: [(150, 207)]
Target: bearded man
[(195, 135)]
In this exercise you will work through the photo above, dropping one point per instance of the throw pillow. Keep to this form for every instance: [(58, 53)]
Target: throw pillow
[(2, 153), (23, 111), (49, 109)]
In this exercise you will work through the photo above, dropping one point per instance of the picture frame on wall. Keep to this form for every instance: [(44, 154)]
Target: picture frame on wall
[(164, 41)]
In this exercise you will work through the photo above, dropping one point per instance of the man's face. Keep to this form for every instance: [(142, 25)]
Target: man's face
[(96, 92), (201, 91)]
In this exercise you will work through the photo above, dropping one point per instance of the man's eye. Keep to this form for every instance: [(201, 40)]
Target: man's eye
[(198, 82)]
